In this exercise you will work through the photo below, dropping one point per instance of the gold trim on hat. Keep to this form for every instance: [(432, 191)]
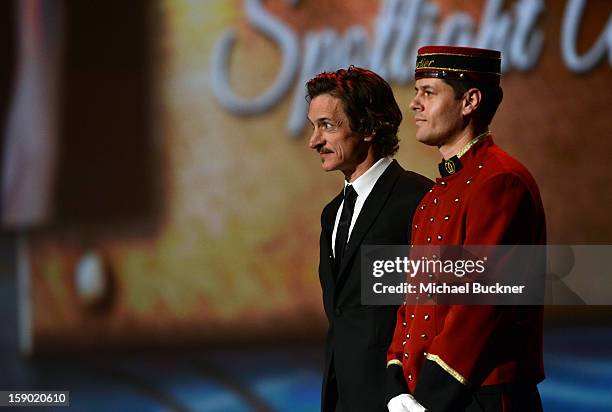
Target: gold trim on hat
[(451, 371), (456, 70), (459, 54), (424, 64)]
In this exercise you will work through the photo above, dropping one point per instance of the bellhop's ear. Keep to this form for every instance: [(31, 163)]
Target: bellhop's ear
[(471, 101)]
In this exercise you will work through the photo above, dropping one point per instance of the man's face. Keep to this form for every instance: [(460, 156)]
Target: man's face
[(338, 146), (437, 114)]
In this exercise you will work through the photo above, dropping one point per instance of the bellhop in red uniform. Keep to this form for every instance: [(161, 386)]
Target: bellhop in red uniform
[(461, 357)]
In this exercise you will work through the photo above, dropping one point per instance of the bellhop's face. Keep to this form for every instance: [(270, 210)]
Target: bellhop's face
[(437, 114), (338, 146)]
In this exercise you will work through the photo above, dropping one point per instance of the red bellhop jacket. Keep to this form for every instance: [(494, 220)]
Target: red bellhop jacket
[(491, 200)]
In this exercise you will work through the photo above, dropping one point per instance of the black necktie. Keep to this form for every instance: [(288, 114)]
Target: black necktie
[(350, 196)]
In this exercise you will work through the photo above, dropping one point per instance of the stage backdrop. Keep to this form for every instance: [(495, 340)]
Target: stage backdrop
[(184, 203)]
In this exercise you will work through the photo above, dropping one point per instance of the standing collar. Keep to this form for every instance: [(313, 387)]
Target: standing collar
[(472, 142), (453, 165), (468, 158)]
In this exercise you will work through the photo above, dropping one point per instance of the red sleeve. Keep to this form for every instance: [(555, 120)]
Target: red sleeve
[(395, 381), (396, 348)]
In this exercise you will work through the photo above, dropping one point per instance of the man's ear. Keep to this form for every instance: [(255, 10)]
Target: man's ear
[(471, 101)]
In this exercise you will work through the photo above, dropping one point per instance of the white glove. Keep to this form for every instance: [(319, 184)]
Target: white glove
[(405, 403)]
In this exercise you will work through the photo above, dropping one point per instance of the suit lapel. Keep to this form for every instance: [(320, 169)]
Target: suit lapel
[(329, 218), (370, 210)]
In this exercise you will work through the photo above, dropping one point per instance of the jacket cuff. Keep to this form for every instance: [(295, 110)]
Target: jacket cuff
[(395, 381), (441, 388)]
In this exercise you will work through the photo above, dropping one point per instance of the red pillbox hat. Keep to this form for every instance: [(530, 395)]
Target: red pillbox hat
[(459, 63)]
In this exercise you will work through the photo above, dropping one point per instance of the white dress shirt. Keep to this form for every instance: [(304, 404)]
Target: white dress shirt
[(363, 186)]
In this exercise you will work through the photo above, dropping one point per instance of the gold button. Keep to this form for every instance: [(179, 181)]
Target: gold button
[(431, 219), (443, 183), (439, 237), (446, 217), (480, 166), (416, 226), (410, 376), (430, 190), (422, 207), (426, 317), (436, 201), (428, 239), (468, 182), (456, 199), (406, 355), (404, 323), (404, 343), (424, 336), (412, 316), (407, 336)]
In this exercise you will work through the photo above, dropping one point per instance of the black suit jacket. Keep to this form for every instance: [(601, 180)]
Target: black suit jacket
[(358, 336)]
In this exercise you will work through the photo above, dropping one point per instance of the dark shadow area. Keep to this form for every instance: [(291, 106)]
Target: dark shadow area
[(7, 67), (107, 171)]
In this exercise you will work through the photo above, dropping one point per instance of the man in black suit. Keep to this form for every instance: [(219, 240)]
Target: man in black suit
[(355, 118)]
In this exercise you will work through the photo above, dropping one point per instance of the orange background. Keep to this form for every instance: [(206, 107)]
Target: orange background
[(219, 243)]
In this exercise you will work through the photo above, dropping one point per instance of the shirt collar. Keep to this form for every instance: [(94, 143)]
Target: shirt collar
[(363, 184)]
